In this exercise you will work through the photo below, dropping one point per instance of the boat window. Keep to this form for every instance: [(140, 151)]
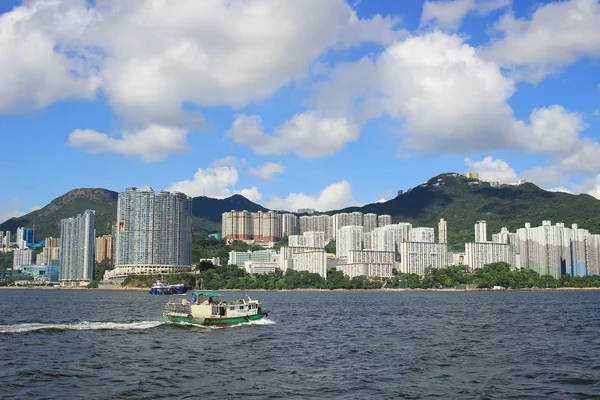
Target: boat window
[(232, 308)]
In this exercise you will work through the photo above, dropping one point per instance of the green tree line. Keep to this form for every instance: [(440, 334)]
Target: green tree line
[(453, 277)]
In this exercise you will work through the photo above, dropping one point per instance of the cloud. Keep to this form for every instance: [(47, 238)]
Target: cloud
[(445, 98), (309, 135), (35, 70), (492, 170), (229, 160), (150, 58), (335, 196), (154, 143), (216, 182), (268, 170), (560, 189), (555, 36), (11, 210), (251, 194), (448, 14), (545, 176)]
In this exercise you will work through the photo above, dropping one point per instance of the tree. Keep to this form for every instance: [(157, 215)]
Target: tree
[(330, 247)]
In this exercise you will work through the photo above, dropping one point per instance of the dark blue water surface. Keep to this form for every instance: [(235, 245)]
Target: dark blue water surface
[(377, 345)]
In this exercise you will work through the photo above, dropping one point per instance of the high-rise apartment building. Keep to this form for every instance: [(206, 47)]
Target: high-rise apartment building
[(383, 239), (592, 252), (103, 248), (421, 234), (25, 236), (479, 254), (154, 232), (348, 238), (318, 223), (555, 250), (481, 231), (52, 242), (443, 231), (289, 225), (23, 257), (314, 261), (418, 257), (383, 220), (77, 247), (369, 222)]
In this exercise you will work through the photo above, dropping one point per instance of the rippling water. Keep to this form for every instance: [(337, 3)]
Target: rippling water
[(479, 345)]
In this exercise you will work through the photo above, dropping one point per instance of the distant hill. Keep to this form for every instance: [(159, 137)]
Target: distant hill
[(206, 212), (457, 199), (47, 219), (462, 202)]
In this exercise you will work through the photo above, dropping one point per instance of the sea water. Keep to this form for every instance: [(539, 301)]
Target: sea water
[(330, 345)]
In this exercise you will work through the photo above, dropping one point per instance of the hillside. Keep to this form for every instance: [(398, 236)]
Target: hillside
[(462, 202), (47, 219), (206, 212)]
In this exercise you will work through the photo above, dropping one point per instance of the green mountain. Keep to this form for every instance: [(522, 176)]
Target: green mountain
[(206, 212), (462, 202), (47, 219)]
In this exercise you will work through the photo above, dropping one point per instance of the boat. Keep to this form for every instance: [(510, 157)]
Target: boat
[(163, 287), (206, 309)]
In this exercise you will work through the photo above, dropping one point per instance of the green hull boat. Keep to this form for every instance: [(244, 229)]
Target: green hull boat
[(205, 310)]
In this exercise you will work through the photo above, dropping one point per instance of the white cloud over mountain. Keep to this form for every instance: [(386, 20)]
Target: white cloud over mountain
[(160, 64), (492, 170), (217, 182), (335, 196)]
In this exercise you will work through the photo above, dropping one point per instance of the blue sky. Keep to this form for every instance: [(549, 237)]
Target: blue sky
[(304, 103)]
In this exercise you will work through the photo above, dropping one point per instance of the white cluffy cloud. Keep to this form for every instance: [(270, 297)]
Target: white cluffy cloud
[(156, 60), (448, 14), (446, 98), (308, 134), (555, 36), (217, 182), (492, 170), (335, 196), (154, 143), (150, 57), (268, 170), (14, 209)]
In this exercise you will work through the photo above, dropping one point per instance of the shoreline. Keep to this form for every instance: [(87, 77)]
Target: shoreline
[(449, 290)]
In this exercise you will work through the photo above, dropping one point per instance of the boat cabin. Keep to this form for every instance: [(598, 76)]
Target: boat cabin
[(208, 304)]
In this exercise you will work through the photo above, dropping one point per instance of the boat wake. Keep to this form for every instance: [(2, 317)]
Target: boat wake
[(262, 321), (80, 326)]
